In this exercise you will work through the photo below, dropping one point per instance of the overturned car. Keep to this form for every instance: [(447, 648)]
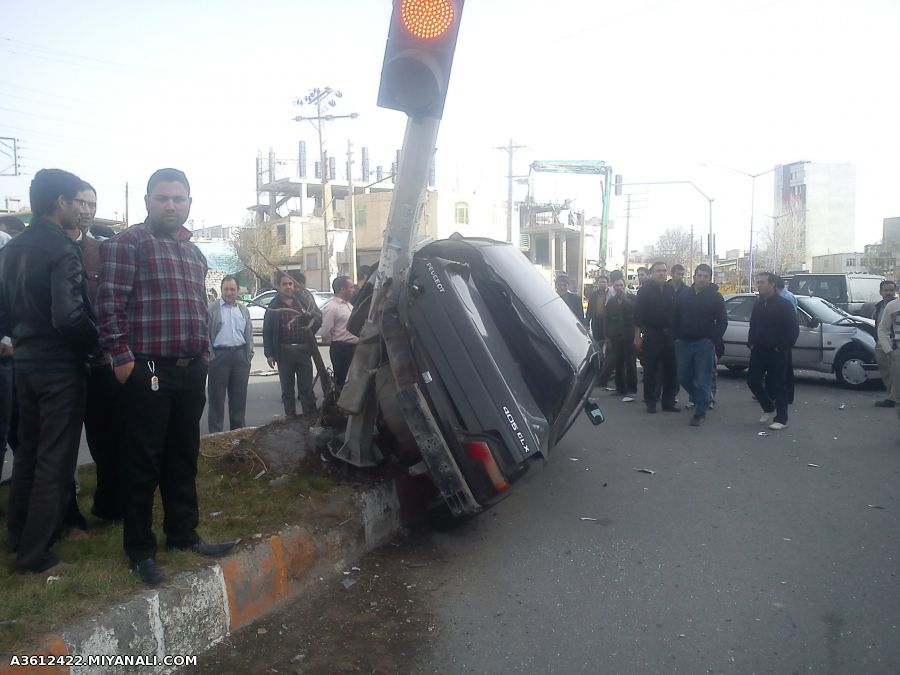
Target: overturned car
[(486, 370)]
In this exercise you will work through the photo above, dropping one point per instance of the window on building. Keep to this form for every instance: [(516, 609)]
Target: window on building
[(462, 214), (851, 262), (360, 215), (312, 260), (281, 235)]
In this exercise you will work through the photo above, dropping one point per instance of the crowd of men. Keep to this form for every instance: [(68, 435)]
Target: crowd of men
[(676, 332), (120, 335)]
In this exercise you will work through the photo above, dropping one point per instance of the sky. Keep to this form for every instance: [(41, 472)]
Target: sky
[(661, 90)]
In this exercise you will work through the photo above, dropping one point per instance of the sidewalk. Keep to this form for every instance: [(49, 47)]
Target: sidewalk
[(195, 610)]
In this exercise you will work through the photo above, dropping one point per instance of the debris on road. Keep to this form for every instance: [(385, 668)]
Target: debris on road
[(649, 471), (215, 513), (573, 459), (815, 466), (593, 520), (347, 583), (874, 506), (763, 433), (842, 406)]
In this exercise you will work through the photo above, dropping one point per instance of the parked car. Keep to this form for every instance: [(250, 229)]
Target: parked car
[(830, 340), (849, 292), (502, 364), (258, 314)]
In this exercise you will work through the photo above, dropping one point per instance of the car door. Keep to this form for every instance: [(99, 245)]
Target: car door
[(807, 352), (738, 309)]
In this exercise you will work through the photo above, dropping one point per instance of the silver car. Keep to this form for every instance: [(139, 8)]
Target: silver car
[(830, 340)]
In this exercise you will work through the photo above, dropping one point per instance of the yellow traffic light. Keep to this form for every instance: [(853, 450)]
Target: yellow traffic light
[(427, 19)]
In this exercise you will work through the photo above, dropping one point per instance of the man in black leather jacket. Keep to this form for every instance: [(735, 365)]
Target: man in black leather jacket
[(44, 307)]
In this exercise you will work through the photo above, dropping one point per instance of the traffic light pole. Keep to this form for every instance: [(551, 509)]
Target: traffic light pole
[(407, 204)]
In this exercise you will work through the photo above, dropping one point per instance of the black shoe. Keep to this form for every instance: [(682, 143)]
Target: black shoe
[(651, 407), (205, 548), (886, 403), (104, 515), (697, 420), (672, 408), (148, 571)]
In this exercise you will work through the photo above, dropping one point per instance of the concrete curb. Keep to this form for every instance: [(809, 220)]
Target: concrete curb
[(197, 610)]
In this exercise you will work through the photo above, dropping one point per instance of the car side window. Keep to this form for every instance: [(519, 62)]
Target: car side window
[(740, 308)]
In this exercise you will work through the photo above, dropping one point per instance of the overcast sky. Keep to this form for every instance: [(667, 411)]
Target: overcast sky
[(656, 88)]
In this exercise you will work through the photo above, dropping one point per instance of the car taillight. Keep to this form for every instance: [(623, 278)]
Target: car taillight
[(480, 452)]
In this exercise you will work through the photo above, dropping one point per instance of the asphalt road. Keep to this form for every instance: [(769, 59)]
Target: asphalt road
[(742, 553)]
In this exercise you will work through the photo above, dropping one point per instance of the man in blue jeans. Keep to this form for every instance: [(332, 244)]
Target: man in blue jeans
[(700, 321), (773, 332)]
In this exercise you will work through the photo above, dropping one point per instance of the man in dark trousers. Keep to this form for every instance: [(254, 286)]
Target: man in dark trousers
[(152, 306), (773, 332), (572, 300), (104, 427), (44, 307), (654, 312), (888, 291), (342, 343), (230, 355), (700, 321), (290, 318), (619, 324)]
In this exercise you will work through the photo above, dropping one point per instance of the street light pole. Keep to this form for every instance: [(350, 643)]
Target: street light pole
[(318, 97)]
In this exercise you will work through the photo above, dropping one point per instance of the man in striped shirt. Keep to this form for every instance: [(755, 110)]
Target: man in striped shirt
[(153, 321)]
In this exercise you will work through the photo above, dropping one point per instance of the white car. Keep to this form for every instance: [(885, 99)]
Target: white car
[(258, 314), (830, 340)]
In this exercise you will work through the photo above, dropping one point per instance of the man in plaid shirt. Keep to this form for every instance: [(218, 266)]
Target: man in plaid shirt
[(152, 307)]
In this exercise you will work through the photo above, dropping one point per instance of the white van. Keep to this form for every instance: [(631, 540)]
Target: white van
[(848, 291)]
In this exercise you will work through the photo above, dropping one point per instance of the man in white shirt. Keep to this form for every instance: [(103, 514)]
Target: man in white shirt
[(230, 354), (889, 340), (334, 329)]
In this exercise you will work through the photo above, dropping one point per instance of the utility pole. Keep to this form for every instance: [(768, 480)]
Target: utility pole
[(320, 98), (271, 180), (629, 206), (510, 149), (352, 211)]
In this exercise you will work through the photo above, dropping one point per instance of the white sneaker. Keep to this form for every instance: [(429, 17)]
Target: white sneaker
[(766, 418), (777, 426), (609, 388), (689, 404), (628, 399)]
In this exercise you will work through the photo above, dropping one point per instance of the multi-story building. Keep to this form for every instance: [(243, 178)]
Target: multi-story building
[(814, 212), (841, 263)]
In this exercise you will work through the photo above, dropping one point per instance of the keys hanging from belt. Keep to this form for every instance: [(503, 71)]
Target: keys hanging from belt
[(154, 380)]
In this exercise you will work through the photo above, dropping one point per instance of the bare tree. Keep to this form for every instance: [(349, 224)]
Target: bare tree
[(256, 246), (675, 246), (785, 239)]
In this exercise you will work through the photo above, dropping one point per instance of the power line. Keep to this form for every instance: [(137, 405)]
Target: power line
[(50, 53)]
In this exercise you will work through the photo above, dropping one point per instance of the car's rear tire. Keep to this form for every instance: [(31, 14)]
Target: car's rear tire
[(849, 371), (737, 369)]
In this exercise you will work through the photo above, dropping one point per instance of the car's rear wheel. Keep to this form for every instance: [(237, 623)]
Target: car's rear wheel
[(849, 369)]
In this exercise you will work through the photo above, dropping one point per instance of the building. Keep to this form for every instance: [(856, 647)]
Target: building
[(814, 212), (881, 259), (891, 231), (841, 263)]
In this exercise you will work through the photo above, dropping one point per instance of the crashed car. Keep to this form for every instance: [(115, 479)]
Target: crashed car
[(830, 340), (503, 367)]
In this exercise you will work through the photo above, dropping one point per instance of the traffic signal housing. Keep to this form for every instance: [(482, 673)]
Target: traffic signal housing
[(419, 55)]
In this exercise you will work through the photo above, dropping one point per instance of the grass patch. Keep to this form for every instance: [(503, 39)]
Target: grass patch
[(244, 506)]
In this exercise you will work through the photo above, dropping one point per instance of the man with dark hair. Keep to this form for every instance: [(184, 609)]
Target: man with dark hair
[(700, 321), (619, 325), (104, 428), (11, 225), (44, 307), (676, 280), (153, 321), (789, 356), (653, 316), (230, 355), (334, 329), (291, 318), (773, 332), (572, 300), (596, 309), (643, 274), (888, 291)]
